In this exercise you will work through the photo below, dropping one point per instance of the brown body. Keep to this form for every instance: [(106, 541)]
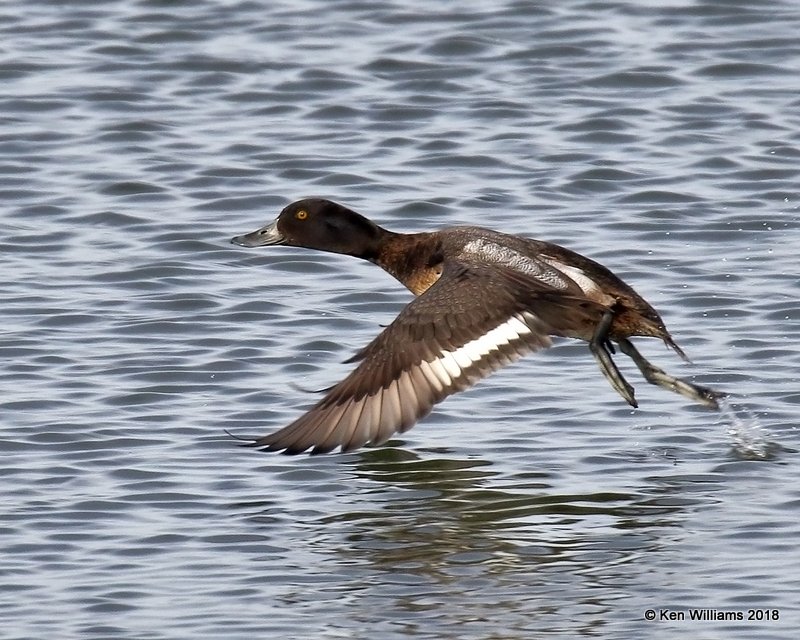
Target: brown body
[(416, 260)]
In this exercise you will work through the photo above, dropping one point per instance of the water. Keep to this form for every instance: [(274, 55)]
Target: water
[(137, 138)]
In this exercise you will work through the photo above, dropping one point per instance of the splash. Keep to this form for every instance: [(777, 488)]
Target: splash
[(751, 441)]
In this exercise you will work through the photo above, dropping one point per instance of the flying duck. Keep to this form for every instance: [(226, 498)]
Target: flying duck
[(483, 299)]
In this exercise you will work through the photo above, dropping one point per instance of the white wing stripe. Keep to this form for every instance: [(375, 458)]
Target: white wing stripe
[(450, 364), (475, 350), (438, 370), (431, 378)]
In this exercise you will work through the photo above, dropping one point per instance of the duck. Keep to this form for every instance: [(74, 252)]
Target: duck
[(483, 299)]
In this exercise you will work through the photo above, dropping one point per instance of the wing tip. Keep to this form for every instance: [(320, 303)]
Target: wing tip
[(272, 445)]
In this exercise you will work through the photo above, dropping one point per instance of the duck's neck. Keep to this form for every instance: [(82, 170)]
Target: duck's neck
[(415, 259)]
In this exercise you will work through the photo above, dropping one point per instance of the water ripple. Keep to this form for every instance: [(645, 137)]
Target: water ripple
[(137, 139)]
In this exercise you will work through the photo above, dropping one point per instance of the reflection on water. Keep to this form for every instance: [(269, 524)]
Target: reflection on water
[(471, 500), (432, 536)]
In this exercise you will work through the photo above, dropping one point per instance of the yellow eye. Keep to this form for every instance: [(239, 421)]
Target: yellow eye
[(301, 215)]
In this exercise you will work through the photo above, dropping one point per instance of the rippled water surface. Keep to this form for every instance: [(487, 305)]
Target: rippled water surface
[(661, 138)]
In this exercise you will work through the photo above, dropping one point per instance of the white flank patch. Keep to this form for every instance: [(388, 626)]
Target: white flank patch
[(579, 276)]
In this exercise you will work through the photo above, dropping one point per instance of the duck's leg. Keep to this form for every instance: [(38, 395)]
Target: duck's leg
[(654, 375), (601, 349)]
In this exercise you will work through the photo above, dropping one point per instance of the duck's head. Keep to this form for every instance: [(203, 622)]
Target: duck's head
[(315, 223)]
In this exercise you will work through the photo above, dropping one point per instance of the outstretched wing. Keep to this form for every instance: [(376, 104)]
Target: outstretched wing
[(469, 323)]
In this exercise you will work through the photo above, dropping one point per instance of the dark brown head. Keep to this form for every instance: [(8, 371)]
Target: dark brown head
[(315, 223)]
